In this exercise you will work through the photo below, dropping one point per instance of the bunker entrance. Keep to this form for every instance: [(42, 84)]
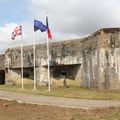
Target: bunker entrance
[(2, 77), (27, 72), (65, 71)]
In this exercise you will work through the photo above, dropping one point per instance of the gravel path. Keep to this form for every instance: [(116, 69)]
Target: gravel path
[(58, 101)]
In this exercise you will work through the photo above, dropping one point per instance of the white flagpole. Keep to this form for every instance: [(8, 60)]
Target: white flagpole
[(34, 60), (48, 60), (22, 62), (48, 57)]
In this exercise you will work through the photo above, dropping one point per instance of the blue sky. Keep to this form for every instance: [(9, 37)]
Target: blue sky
[(68, 19), (16, 11)]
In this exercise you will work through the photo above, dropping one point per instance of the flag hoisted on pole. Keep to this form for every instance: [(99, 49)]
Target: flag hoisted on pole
[(16, 32), (48, 29), (49, 36), (38, 25)]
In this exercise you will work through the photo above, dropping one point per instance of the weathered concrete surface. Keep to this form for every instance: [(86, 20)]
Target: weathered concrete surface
[(2, 62), (93, 61)]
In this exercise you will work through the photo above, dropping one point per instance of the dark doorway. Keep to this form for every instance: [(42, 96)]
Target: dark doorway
[(2, 77), (68, 71)]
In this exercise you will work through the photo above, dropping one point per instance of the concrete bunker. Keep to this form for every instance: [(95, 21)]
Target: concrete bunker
[(92, 62)]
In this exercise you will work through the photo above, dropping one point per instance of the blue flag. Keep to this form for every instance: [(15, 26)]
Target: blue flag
[(39, 26)]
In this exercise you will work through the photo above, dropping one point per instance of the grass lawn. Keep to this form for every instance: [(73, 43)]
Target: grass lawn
[(71, 92)]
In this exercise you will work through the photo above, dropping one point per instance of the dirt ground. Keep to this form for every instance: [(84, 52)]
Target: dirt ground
[(15, 111)]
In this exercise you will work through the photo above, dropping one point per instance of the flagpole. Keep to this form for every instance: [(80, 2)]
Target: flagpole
[(34, 60), (48, 60), (22, 62), (48, 56), (43, 28)]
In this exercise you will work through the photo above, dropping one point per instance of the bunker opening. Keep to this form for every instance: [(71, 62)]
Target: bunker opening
[(2, 77), (65, 71)]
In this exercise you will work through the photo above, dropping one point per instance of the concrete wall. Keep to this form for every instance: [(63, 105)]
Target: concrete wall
[(92, 61), (2, 62)]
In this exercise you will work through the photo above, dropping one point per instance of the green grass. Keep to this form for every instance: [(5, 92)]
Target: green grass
[(71, 92)]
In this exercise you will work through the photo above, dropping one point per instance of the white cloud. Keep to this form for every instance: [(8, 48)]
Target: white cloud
[(67, 19), (27, 36), (79, 16), (5, 36)]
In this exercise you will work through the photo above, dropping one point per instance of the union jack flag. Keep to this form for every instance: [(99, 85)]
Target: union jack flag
[(17, 31)]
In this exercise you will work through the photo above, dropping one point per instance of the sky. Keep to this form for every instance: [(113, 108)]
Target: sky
[(68, 19)]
